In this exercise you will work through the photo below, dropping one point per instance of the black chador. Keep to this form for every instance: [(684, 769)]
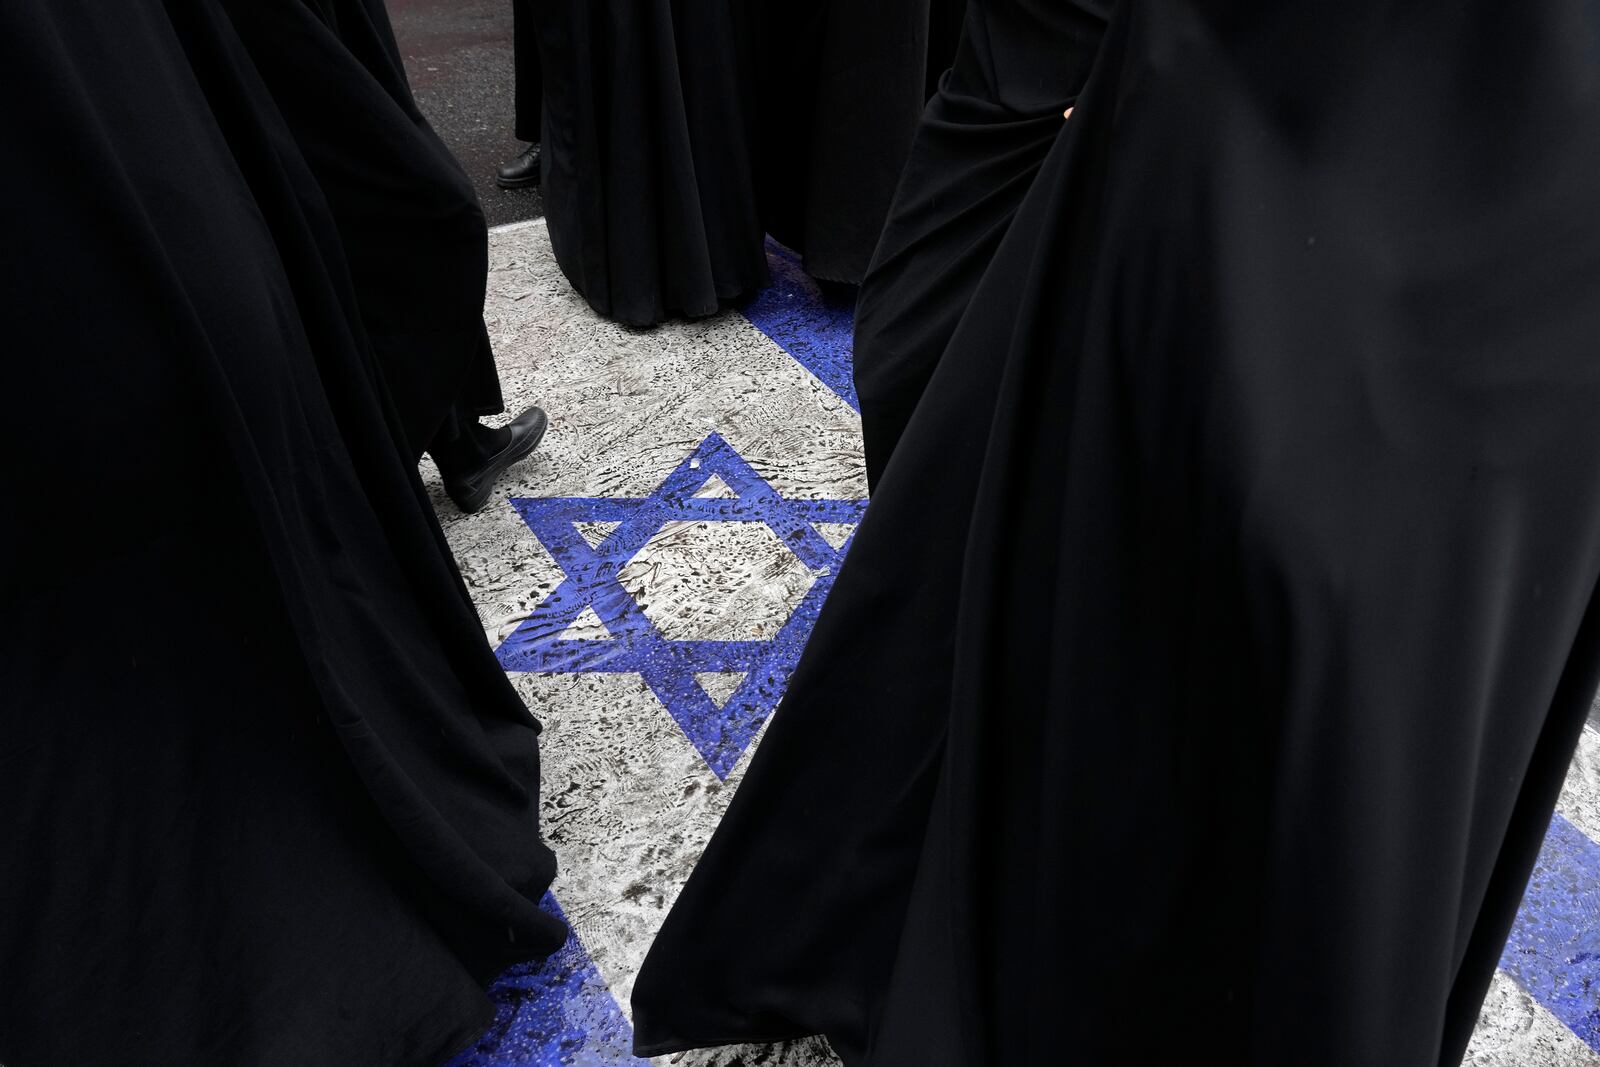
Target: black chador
[(987, 129), (647, 176), (267, 796), (1210, 658), (833, 91), (409, 220), (678, 133)]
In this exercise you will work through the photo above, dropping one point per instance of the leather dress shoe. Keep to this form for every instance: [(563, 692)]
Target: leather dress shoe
[(522, 171), (470, 491)]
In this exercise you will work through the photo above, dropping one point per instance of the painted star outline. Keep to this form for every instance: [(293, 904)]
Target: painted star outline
[(636, 645)]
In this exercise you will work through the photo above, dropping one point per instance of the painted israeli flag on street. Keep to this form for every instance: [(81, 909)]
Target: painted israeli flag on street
[(649, 579)]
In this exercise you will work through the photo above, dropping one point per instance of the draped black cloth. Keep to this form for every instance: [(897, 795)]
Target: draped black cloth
[(408, 217), (834, 93), (1209, 660), (677, 133), (945, 20), (979, 145), (647, 180), (268, 797)]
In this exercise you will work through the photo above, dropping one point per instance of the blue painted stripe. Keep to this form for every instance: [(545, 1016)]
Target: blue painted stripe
[(813, 326), (1554, 948), (556, 1012)]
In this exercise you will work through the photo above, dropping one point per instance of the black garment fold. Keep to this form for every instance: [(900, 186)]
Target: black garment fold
[(678, 133), (408, 217), (528, 71), (269, 798), (979, 144), (1210, 657), (646, 183), (833, 93)]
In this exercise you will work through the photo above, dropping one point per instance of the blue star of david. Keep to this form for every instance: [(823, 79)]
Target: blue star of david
[(636, 645)]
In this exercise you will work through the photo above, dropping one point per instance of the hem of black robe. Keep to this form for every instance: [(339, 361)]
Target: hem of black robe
[(726, 296), (829, 275), (486, 1019), (646, 1050)]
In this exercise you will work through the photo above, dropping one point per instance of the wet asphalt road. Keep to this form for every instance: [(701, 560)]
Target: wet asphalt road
[(458, 55)]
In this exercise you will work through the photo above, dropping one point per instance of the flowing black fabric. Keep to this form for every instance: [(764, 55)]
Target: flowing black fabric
[(410, 222), (945, 20), (980, 142), (678, 133), (1211, 655), (268, 797), (527, 70), (647, 186), (834, 93)]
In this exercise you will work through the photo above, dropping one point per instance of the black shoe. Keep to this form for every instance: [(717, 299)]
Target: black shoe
[(470, 492), (522, 171)]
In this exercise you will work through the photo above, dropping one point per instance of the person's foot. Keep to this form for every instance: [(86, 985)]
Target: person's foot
[(470, 490), (522, 171)]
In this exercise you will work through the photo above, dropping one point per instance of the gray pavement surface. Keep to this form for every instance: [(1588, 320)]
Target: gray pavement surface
[(458, 56)]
